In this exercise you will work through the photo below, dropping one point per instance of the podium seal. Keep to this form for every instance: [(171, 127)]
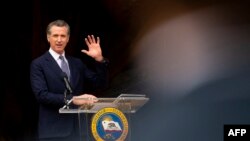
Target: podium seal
[(109, 124)]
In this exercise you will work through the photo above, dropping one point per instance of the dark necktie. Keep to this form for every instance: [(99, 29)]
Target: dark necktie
[(64, 66)]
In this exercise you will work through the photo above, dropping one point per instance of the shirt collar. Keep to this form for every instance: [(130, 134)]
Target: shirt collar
[(55, 55)]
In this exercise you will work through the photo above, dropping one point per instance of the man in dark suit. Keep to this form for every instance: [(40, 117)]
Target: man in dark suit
[(48, 83)]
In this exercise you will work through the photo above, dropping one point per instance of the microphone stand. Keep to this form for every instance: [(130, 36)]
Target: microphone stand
[(66, 100), (67, 91)]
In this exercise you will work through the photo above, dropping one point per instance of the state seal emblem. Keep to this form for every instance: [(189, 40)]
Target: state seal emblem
[(109, 124)]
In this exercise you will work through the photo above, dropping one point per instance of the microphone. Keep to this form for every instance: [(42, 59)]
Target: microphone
[(67, 83)]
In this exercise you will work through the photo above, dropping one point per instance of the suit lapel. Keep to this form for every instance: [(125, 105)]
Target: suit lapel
[(52, 65)]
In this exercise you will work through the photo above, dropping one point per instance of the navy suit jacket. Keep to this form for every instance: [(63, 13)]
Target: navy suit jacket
[(48, 86)]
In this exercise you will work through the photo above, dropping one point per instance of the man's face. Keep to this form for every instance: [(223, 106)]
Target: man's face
[(58, 38)]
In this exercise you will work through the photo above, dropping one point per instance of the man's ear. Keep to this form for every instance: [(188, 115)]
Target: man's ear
[(48, 38)]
